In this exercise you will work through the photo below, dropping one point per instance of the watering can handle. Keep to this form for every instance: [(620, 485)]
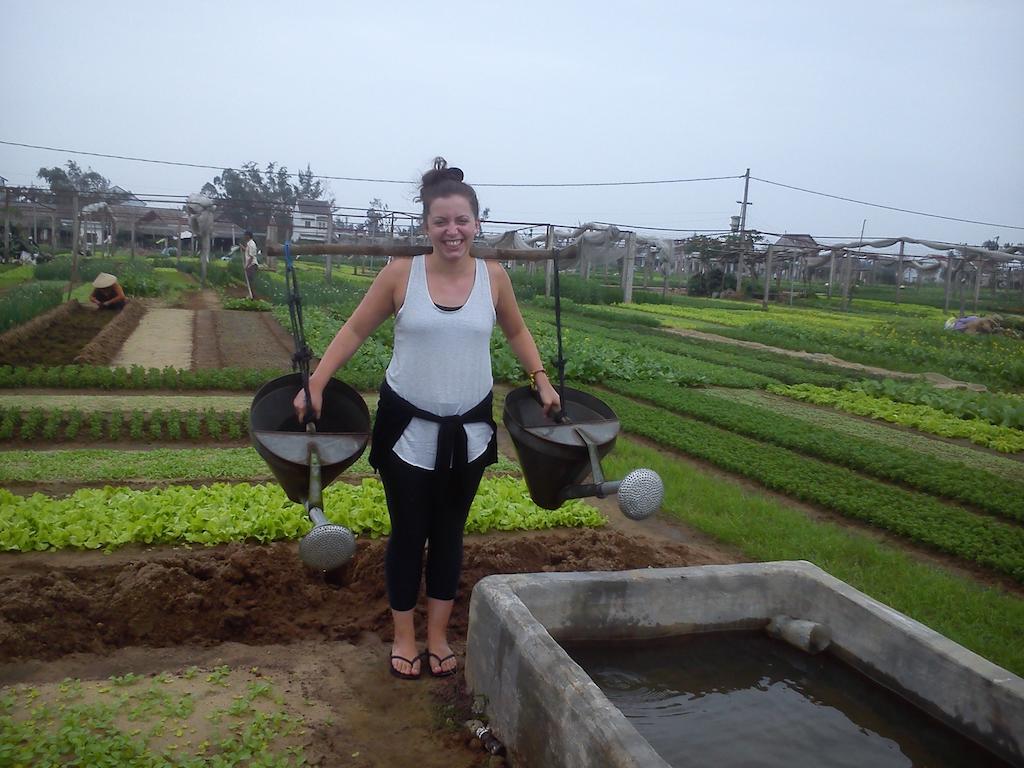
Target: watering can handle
[(555, 414), (308, 417)]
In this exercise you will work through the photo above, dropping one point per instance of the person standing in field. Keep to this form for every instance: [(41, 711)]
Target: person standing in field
[(249, 261), (434, 433)]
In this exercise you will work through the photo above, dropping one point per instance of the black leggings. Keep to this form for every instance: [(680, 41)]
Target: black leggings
[(426, 507)]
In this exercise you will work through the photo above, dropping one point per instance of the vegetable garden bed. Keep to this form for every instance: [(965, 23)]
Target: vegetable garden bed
[(167, 551)]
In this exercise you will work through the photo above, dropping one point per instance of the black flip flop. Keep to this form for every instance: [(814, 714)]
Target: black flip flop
[(440, 662), (410, 662)]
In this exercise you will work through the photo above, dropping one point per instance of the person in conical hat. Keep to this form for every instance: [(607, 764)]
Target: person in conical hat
[(107, 293)]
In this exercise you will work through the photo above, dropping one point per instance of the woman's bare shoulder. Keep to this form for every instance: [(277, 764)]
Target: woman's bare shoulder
[(395, 271)]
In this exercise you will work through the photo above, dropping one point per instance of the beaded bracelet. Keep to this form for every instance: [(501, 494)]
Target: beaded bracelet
[(533, 379)]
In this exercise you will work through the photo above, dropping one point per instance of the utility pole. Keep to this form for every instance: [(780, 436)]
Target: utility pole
[(549, 265), (849, 269), (7, 222), (743, 232), (75, 240), (899, 271), (330, 239)]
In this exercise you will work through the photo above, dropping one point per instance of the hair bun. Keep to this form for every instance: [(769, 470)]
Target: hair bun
[(441, 172)]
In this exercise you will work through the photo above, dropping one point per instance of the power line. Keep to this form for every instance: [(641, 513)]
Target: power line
[(886, 207), (530, 184), (357, 178)]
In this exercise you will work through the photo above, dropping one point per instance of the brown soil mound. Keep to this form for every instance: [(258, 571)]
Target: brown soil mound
[(107, 343), (51, 605), (238, 339), (57, 342)]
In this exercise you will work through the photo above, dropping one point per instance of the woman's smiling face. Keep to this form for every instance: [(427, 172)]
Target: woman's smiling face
[(451, 226)]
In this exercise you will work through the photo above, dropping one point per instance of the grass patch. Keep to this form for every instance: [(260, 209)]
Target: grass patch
[(223, 717), (985, 620)]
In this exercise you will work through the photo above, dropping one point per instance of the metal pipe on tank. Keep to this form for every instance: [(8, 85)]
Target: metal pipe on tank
[(808, 636)]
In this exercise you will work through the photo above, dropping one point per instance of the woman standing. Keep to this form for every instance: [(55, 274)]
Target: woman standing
[(434, 433)]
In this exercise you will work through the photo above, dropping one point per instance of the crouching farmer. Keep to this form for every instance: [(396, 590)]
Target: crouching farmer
[(107, 293)]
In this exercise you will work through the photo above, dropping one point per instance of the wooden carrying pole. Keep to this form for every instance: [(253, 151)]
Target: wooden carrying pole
[(400, 249)]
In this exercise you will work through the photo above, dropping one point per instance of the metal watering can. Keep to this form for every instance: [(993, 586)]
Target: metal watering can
[(307, 457)]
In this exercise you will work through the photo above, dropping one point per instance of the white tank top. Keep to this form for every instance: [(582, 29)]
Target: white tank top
[(442, 363)]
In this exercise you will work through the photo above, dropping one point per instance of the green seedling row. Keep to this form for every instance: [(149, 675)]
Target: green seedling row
[(922, 417), (762, 364), (110, 517), (985, 491), (1001, 410), (907, 345), (92, 465), (878, 431), (23, 302), (920, 518), (57, 424), (136, 377)]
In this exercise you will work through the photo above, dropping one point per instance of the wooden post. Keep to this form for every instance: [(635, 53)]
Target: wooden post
[(75, 236), (831, 271), (7, 223), (767, 277), (54, 237), (739, 271), (330, 239), (899, 271), (977, 283), (627, 268), (204, 257), (35, 232), (271, 237), (949, 281), (549, 265), (847, 277)]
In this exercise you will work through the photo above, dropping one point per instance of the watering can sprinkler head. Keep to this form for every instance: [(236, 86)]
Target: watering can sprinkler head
[(641, 493), (328, 545)]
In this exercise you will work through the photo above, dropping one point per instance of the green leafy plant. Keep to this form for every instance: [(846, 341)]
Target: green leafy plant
[(946, 527), (948, 479), (52, 423), (8, 423), (922, 417), (136, 423), (74, 425), (96, 420), (156, 424), (95, 518), (193, 426), (32, 423), (213, 424)]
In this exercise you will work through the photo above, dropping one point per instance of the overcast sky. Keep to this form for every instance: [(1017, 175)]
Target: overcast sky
[(916, 104)]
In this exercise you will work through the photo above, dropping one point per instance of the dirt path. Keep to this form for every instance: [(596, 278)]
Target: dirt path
[(204, 336), (163, 338), (935, 379), (151, 610)]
